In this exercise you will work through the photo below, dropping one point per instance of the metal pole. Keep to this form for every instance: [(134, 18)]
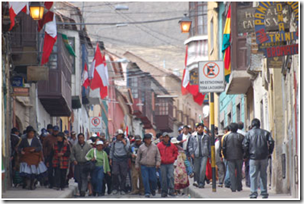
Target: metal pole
[(212, 142)]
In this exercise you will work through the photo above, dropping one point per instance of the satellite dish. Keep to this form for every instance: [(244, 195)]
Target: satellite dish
[(206, 111)]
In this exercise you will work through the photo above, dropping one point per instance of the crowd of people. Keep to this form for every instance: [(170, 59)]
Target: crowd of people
[(140, 166)]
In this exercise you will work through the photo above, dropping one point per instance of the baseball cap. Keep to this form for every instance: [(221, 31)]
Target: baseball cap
[(137, 138), (119, 132), (49, 126), (73, 133), (200, 124), (147, 136), (166, 134), (56, 128), (99, 142), (180, 128), (89, 141), (94, 135), (60, 134)]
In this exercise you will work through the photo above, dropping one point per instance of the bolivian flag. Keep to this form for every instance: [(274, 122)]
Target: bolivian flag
[(226, 46), (67, 44)]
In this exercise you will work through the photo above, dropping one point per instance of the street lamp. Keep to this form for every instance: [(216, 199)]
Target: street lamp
[(185, 24), (36, 11)]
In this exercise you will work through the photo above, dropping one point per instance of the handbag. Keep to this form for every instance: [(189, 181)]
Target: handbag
[(90, 165)]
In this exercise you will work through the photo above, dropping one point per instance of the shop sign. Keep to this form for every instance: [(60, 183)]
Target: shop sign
[(263, 37), (17, 82), (275, 62), (21, 91)]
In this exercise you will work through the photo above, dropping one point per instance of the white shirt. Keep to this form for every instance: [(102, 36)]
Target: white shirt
[(30, 141)]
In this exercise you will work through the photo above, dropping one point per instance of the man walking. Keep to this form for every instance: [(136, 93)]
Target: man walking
[(119, 162), (168, 153), (219, 160), (136, 174), (147, 161), (78, 158), (258, 145), (233, 153), (48, 144), (200, 151)]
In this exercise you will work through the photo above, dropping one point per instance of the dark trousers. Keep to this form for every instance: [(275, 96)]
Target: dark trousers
[(247, 173), (107, 180), (50, 175), (236, 181), (60, 176), (81, 177), (119, 169)]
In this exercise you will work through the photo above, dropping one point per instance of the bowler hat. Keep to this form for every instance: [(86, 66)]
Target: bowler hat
[(29, 129)]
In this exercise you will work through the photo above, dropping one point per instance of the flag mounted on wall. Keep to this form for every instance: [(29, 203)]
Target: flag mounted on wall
[(226, 48)]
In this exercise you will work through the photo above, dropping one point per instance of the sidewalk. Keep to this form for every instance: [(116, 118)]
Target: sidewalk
[(40, 192), (226, 193)]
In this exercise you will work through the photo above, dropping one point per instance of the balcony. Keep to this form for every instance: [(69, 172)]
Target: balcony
[(239, 80), (55, 94), (164, 114), (23, 41)]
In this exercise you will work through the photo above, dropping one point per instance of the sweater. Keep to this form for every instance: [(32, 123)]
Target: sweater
[(79, 152), (101, 159), (168, 152), (119, 151), (148, 156)]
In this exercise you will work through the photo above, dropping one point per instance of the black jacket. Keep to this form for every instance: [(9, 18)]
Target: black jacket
[(35, 143), (232, 146), (258, 144)]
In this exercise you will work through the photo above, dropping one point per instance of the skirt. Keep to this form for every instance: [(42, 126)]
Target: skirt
[(32, 171)]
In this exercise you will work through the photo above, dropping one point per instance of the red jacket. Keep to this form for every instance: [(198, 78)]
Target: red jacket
[(168, 154)]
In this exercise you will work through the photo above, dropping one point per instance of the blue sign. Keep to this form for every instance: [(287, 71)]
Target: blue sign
[(18, 82)]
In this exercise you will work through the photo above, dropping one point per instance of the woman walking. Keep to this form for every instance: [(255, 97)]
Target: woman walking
[(102, 166), (31, 165)]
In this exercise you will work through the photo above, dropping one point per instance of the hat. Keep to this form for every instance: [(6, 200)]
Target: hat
[(56, 128), (199, 124), (60, 134), (99, 142), (14, 130), (89, 142), (147, 136), (220, 133), (186, 126), (137, 138), (119, 132), (66, 132), (73, 133), (29, 129), (94, 135), (180, 128), (189, 126), (49, 126), (174, 140), (158, 135), (165, 134), (102, 134)]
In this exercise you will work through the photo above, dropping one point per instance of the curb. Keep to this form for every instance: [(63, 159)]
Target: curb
[(71, 192)]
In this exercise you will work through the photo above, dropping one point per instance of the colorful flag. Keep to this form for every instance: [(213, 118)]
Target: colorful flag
[(100, 76), (67, 44), (15, 8), (49, 39), (226, 46), (85, 77)]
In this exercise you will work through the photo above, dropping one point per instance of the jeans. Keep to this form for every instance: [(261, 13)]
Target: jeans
[(97, 179), (227, 177), (236, 181), (258, 167), (221, 171), (159, 178), (81, 177), (60, 177), (149, 177), (119, 169), (200, 170), (167, 182), (188, 167), (107, 180)]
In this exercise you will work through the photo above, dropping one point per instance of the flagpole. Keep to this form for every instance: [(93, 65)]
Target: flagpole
[(212, 142)]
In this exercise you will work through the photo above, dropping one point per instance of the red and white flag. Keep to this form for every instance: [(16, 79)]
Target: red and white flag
[(99, 73), (85, 77), (187, 87), (15, 8), (49, 39)]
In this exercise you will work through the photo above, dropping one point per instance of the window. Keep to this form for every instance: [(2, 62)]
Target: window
[(52, 63), (72, 44), (133, 86), (198, 15), (229, 118), (238, 113), (163, 107)]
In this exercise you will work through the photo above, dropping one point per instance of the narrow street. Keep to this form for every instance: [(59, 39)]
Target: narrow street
[(198, 97)]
